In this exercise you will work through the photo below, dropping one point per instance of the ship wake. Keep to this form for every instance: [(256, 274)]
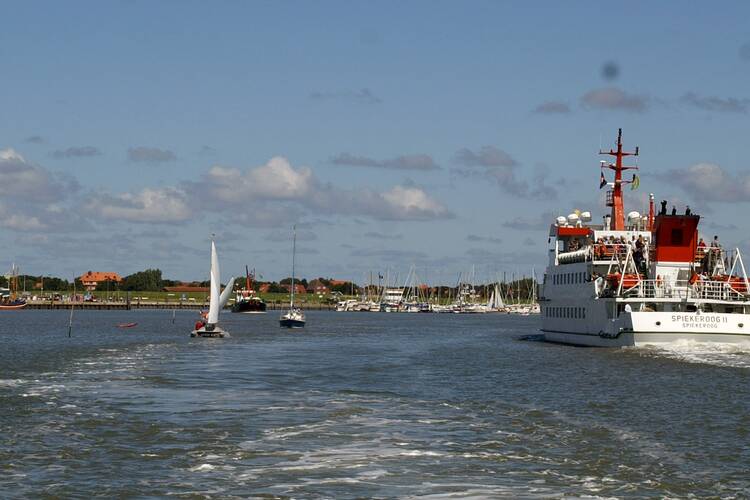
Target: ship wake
[(691, 351)]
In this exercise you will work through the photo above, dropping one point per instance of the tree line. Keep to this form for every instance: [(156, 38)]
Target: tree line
[(151, 280)]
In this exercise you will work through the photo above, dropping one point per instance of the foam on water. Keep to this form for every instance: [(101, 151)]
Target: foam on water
[(11, 382), (691, 351)]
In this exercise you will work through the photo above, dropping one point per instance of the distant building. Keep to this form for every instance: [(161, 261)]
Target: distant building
[(393, 295), (317, 287), (90, 280), (298, 289)]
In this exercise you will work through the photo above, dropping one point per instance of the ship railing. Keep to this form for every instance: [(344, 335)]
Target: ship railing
[(605, 251), (656, 289), (684, 290)]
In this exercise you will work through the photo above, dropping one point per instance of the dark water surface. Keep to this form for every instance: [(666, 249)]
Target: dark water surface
[(361, 405)]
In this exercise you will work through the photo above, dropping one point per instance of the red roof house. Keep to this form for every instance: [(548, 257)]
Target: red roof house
[(91, 279)]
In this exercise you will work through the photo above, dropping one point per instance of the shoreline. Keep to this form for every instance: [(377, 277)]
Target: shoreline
[(125, 306)]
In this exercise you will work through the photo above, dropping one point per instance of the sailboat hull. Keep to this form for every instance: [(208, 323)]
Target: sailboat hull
[(291, 323), (12, 306), (216, 333)]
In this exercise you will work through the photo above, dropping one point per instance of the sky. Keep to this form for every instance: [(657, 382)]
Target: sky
[(444, 136)]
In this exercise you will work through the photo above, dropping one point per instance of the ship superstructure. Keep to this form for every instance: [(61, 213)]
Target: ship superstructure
[(642, 278)]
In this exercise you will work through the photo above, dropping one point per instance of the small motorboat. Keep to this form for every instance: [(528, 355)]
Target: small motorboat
[(127, 325)]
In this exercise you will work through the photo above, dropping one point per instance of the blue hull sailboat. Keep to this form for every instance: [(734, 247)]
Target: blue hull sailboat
[(294, 318)]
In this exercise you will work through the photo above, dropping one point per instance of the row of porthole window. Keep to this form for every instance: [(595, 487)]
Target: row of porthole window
[(569, 278), (565, 312)]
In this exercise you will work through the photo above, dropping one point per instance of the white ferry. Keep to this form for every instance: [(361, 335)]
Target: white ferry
[(648, 279)]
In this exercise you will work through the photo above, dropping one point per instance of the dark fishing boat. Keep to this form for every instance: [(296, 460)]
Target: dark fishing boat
[(246, 300)]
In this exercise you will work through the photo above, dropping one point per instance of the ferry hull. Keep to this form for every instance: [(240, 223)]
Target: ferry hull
[(641, 328)]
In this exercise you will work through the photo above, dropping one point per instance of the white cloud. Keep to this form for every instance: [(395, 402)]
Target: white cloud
[(149, 205), (496, 165), (552, 107), (718, 104), (278, 188), (487, 156), (26, 181), (276, 180), (76, 152), (19, 222), (710, 182), (150, 155), (412, 202), (403, 162), (613, 98)]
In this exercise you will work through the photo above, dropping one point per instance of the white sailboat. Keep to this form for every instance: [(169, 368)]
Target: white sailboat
[(294, 318), (217, 300), (496, 299)]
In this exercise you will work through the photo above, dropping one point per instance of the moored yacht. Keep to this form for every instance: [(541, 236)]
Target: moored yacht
[(641, 279), (294, 317)]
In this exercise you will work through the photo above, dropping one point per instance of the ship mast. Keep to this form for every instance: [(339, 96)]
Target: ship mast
[(614, 196)]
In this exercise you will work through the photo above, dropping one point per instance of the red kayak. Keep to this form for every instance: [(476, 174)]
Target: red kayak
[(127, 325)]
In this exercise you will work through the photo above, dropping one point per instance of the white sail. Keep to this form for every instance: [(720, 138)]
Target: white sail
[(499, 304), (491, 302), (214, 305), (224, 298)]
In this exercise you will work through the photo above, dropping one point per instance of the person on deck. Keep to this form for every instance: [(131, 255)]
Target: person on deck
[(638, 253)]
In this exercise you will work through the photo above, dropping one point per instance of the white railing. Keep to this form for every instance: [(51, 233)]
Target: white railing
[(683, 290)]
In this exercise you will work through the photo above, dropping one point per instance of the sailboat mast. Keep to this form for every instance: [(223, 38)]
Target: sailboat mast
[(70, 320), (294, 251)]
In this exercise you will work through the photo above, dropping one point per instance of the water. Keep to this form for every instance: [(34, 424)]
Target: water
[(361, 405)]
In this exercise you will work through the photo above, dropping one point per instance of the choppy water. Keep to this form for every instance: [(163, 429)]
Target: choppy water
[(361, 405)]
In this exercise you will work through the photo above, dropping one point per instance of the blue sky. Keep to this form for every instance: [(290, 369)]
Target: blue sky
[(443, 135)]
